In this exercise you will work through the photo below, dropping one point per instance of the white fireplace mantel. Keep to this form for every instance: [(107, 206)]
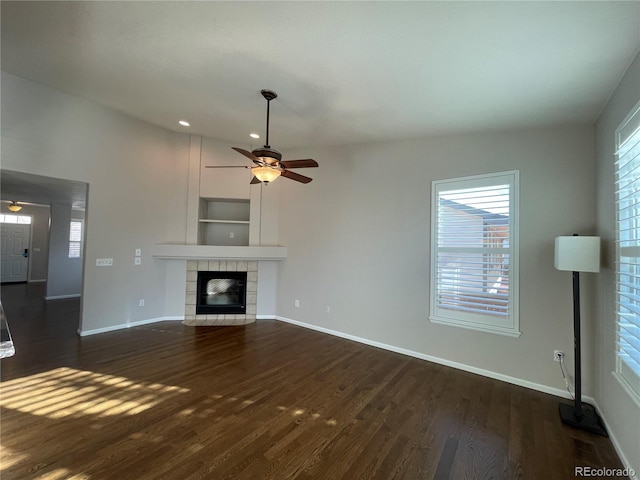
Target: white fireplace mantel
[(211, 252)]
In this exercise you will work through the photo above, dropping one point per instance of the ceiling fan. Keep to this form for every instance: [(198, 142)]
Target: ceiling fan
[(268, 161)]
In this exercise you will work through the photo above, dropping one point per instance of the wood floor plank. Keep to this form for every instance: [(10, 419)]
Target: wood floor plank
[(268, 401)]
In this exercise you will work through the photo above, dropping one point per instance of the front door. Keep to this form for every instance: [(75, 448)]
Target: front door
[(14, 256)]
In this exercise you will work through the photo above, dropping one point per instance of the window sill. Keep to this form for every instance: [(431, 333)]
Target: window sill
[(509, 332)]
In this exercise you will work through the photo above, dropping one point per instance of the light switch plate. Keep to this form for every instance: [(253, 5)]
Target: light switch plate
[(138, 252)]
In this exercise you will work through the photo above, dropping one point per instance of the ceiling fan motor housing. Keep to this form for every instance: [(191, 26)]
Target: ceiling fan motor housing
[(267, 153), (269, 94)]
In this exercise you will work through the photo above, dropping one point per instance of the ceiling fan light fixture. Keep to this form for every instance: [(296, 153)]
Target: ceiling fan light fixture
[(14, 207), (265, 174)]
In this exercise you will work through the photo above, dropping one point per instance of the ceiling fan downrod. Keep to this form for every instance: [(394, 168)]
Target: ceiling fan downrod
[(268, 95)]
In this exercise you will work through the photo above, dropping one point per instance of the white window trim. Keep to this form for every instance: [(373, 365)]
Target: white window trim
[(28, 218), (628, 380), (511, 325), (81, 242)]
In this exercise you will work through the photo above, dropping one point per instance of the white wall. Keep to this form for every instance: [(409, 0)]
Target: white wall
[(64, 277), (620, 411), (39, 241), (137, 176), (223, 182), (358, 240)]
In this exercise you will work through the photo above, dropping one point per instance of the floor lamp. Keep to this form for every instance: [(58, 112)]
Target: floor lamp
[(579, 254)]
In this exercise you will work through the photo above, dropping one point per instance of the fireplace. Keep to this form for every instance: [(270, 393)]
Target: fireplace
[(220, 269), (221, 293)]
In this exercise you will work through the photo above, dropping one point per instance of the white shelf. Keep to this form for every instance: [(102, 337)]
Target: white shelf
[(209, 220)]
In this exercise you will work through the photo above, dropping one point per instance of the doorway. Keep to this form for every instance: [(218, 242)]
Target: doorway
[(53, 203)]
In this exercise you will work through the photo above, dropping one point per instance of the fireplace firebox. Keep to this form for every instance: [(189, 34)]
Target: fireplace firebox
[(221, 293)]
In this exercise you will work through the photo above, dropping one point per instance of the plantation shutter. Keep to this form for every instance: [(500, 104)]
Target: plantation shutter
[(628, 250), (75, 239), (473, 274)]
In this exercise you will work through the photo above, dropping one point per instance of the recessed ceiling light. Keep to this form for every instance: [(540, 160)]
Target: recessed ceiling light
[(254, 135), (184, 123)]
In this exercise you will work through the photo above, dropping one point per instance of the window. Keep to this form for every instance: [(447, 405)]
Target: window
[(627, 180), (75, 239), (22, 219), (474, 257)]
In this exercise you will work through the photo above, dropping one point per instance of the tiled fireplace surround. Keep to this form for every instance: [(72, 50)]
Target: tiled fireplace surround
[(194, 266)]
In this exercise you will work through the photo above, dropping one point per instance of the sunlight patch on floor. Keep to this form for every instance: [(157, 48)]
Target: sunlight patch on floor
[(297, 412), (67, 392), (10, 458), (64, 473)]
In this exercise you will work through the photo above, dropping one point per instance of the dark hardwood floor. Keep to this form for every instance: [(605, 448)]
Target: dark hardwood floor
[(264, 401)]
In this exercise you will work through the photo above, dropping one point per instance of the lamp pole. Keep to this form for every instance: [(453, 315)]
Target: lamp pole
[(577, 356)]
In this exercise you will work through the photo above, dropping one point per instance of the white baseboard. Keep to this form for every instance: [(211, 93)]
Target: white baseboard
[(441, 361), (84, 333), (60, 297), (615, 443)]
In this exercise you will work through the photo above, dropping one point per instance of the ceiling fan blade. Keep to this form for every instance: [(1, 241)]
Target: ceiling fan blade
[(305, 163), (247, 154), (226, 166), (254, 180), (295, 176)]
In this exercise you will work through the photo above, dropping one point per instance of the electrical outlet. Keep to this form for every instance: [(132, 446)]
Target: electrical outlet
[(558, 355), (327, 309), (104, 262), (137, 261), (296, 303), (138, 252)]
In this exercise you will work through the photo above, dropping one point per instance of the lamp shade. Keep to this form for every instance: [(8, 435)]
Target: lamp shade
[(577, 254)]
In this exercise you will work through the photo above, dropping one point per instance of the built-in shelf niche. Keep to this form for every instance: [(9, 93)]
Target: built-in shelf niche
[(224, 221)]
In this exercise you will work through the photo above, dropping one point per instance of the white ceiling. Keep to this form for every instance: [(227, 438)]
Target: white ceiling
[(25, 187), (346, 72)]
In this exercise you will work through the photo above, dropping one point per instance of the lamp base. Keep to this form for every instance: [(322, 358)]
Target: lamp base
[(589, 421)]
